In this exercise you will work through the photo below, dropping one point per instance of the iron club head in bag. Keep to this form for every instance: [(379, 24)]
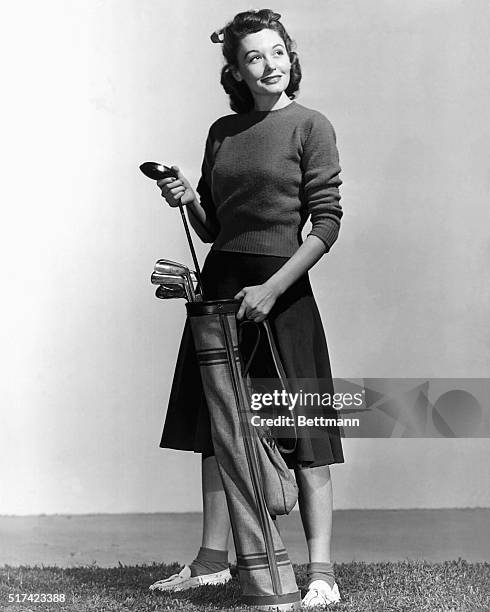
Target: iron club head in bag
[(175, 263), (171, 279), (192, 274), (170, 292), (164, 266), (173, 271)]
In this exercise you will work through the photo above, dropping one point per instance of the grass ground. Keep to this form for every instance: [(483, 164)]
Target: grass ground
[(452, 586)]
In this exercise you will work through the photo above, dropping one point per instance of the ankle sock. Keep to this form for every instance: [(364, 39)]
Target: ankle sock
[(209, 561), (320, 571)]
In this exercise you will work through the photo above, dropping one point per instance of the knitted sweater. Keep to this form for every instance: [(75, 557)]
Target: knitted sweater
[(264, 173)]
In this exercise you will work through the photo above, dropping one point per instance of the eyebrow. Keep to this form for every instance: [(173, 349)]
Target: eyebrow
[(255, 50)]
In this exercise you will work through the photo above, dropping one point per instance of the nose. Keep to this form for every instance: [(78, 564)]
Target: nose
[(270, 65)]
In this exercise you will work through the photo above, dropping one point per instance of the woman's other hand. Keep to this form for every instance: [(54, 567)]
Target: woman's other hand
[(257, 301), (177, 191)]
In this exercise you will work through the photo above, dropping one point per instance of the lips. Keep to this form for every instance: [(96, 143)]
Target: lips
[(271, 78)]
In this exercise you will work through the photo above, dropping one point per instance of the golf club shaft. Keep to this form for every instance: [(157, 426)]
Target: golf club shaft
[(193, 252)]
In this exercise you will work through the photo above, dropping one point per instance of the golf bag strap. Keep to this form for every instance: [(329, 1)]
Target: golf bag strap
[(283, 380), (276, 360), (246, 366)]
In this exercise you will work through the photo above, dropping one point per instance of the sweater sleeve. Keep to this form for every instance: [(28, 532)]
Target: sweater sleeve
[(204, 184), (321, 181)]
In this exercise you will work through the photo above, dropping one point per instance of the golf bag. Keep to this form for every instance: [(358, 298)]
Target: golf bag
[(255, 478)]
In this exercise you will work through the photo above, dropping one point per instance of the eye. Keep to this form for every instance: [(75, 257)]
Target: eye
[(254, 57)]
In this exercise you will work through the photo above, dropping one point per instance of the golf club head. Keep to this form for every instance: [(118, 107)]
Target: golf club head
[(165, 267), (157, 171), (165, 262), (171, 279), (166, 279), (170, 292), (161, 263), (169, 267)]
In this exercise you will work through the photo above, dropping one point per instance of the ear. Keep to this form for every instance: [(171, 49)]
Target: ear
[(236, 73)]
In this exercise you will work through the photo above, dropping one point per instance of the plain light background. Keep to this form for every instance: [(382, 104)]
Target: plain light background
[(87, 351)]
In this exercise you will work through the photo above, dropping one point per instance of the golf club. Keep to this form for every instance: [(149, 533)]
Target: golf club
[(169, 279), (164, 266), (157, 171), (176, 263), (170, 292)]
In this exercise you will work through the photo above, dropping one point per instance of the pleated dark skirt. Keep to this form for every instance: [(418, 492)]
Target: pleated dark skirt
[(301, 343)]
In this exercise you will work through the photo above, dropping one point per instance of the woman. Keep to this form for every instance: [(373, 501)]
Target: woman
[(266, 168)]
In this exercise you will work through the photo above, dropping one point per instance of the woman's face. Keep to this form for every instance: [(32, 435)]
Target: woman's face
[(263, 63)]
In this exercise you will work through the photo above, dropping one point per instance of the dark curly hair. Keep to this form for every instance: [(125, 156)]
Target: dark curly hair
[(248, 22)]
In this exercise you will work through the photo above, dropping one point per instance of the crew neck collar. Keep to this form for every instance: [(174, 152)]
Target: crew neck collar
[(274, 110)]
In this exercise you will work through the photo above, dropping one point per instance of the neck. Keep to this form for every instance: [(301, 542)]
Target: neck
[(269, 104)]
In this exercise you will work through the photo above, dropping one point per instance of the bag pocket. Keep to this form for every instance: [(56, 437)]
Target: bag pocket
[(279, 485)]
